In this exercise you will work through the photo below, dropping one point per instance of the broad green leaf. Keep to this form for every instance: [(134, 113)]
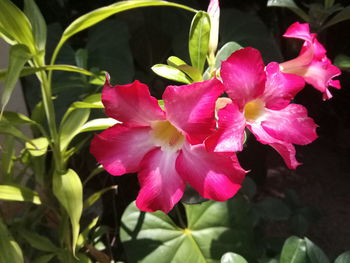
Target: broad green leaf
[(98, 124), (341, 16), (6, 127), (71, 125), (290, 4), (95, 196), (16, 24), (213, 229), (314, 253), (38, 23), (102, 13), (199, 40), (231, 257), (225, 52), (9, 249), (38, 146), (68, 190), (171, 73), (343, 258), (26, 71), (44, 258), (19, 55), (273, 208), (342, 61), (18, 193), (37, 241), (293, 251)]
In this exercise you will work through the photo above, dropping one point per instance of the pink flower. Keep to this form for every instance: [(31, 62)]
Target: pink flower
[(166, 146), (260, 102), (312, 63)]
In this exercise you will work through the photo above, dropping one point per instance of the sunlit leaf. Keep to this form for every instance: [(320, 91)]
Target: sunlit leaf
[(231, 257), (18, 193), (67, 188), (92, 101), (199, 40), (38, 23), (9, 249), (290, 4), (293, 251), (98, 124), (19, 55), (192, 72), (38, 146), (171, 73)]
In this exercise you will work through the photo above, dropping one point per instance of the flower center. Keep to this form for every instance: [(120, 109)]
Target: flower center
[(166, 135), (254, 109)]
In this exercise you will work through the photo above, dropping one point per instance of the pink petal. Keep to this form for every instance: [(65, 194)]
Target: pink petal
[(191, 108), (131, 104), (230, 135), (301, 31), (280, 87), (161, 185), (286, 150), (291, 125), (243, 75), (215, 176), (120, 149)]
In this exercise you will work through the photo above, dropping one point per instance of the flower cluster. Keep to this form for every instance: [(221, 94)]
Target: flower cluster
[(185, 143)]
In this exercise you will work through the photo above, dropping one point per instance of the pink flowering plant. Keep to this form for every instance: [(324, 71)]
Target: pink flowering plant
[(195, 202)]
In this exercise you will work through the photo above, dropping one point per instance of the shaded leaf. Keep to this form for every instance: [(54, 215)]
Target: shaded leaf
[(343, 258), (290, 4), (44, 258), (7, 128), (9, 249), (95, 196), (341, 16), (315, 254), (293, 251), (225, 52), (37, 241), (273, 208)]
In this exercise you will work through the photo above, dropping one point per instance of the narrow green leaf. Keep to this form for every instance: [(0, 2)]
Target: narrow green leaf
[(7, 156), (19, 55), (92, 101), (71, 125), (6, 127), (26, 71), (342, 61), (343, 258), (95, 196), (290, 4), (102, 13), (175, 61), (231, 257), (18, 193), (192, 72), (37, 147), (293, 251), (38, 23), (68, 190), (9, 249), (315, 254), (4, 35), (17, 118), (199, 40), (328, 3), (341, 16), (171, 73), (16, 24), (37, 241), (98, 124), (225, 52), (44, 258)]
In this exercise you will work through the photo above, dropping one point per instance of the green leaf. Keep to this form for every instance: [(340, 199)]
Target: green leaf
[(38, 23), (17, 118), (171, 73), (19, 55), (9, 249), (290, 4), (273, 208), (16, 24), (102, 13), (92, 101), (199, 40), (213, 229), (68, 190), (95, 196), (7, 157), (44, 258), (342, 61), (37, 241), (293, 251), (225, 52), (6, 127), (328, 3), (71, 125), (341, 16), (343, 258), (26, 71), (192, 72), (315, 254), (38, 146), (18, 193), (231, 257), (98, 124)]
